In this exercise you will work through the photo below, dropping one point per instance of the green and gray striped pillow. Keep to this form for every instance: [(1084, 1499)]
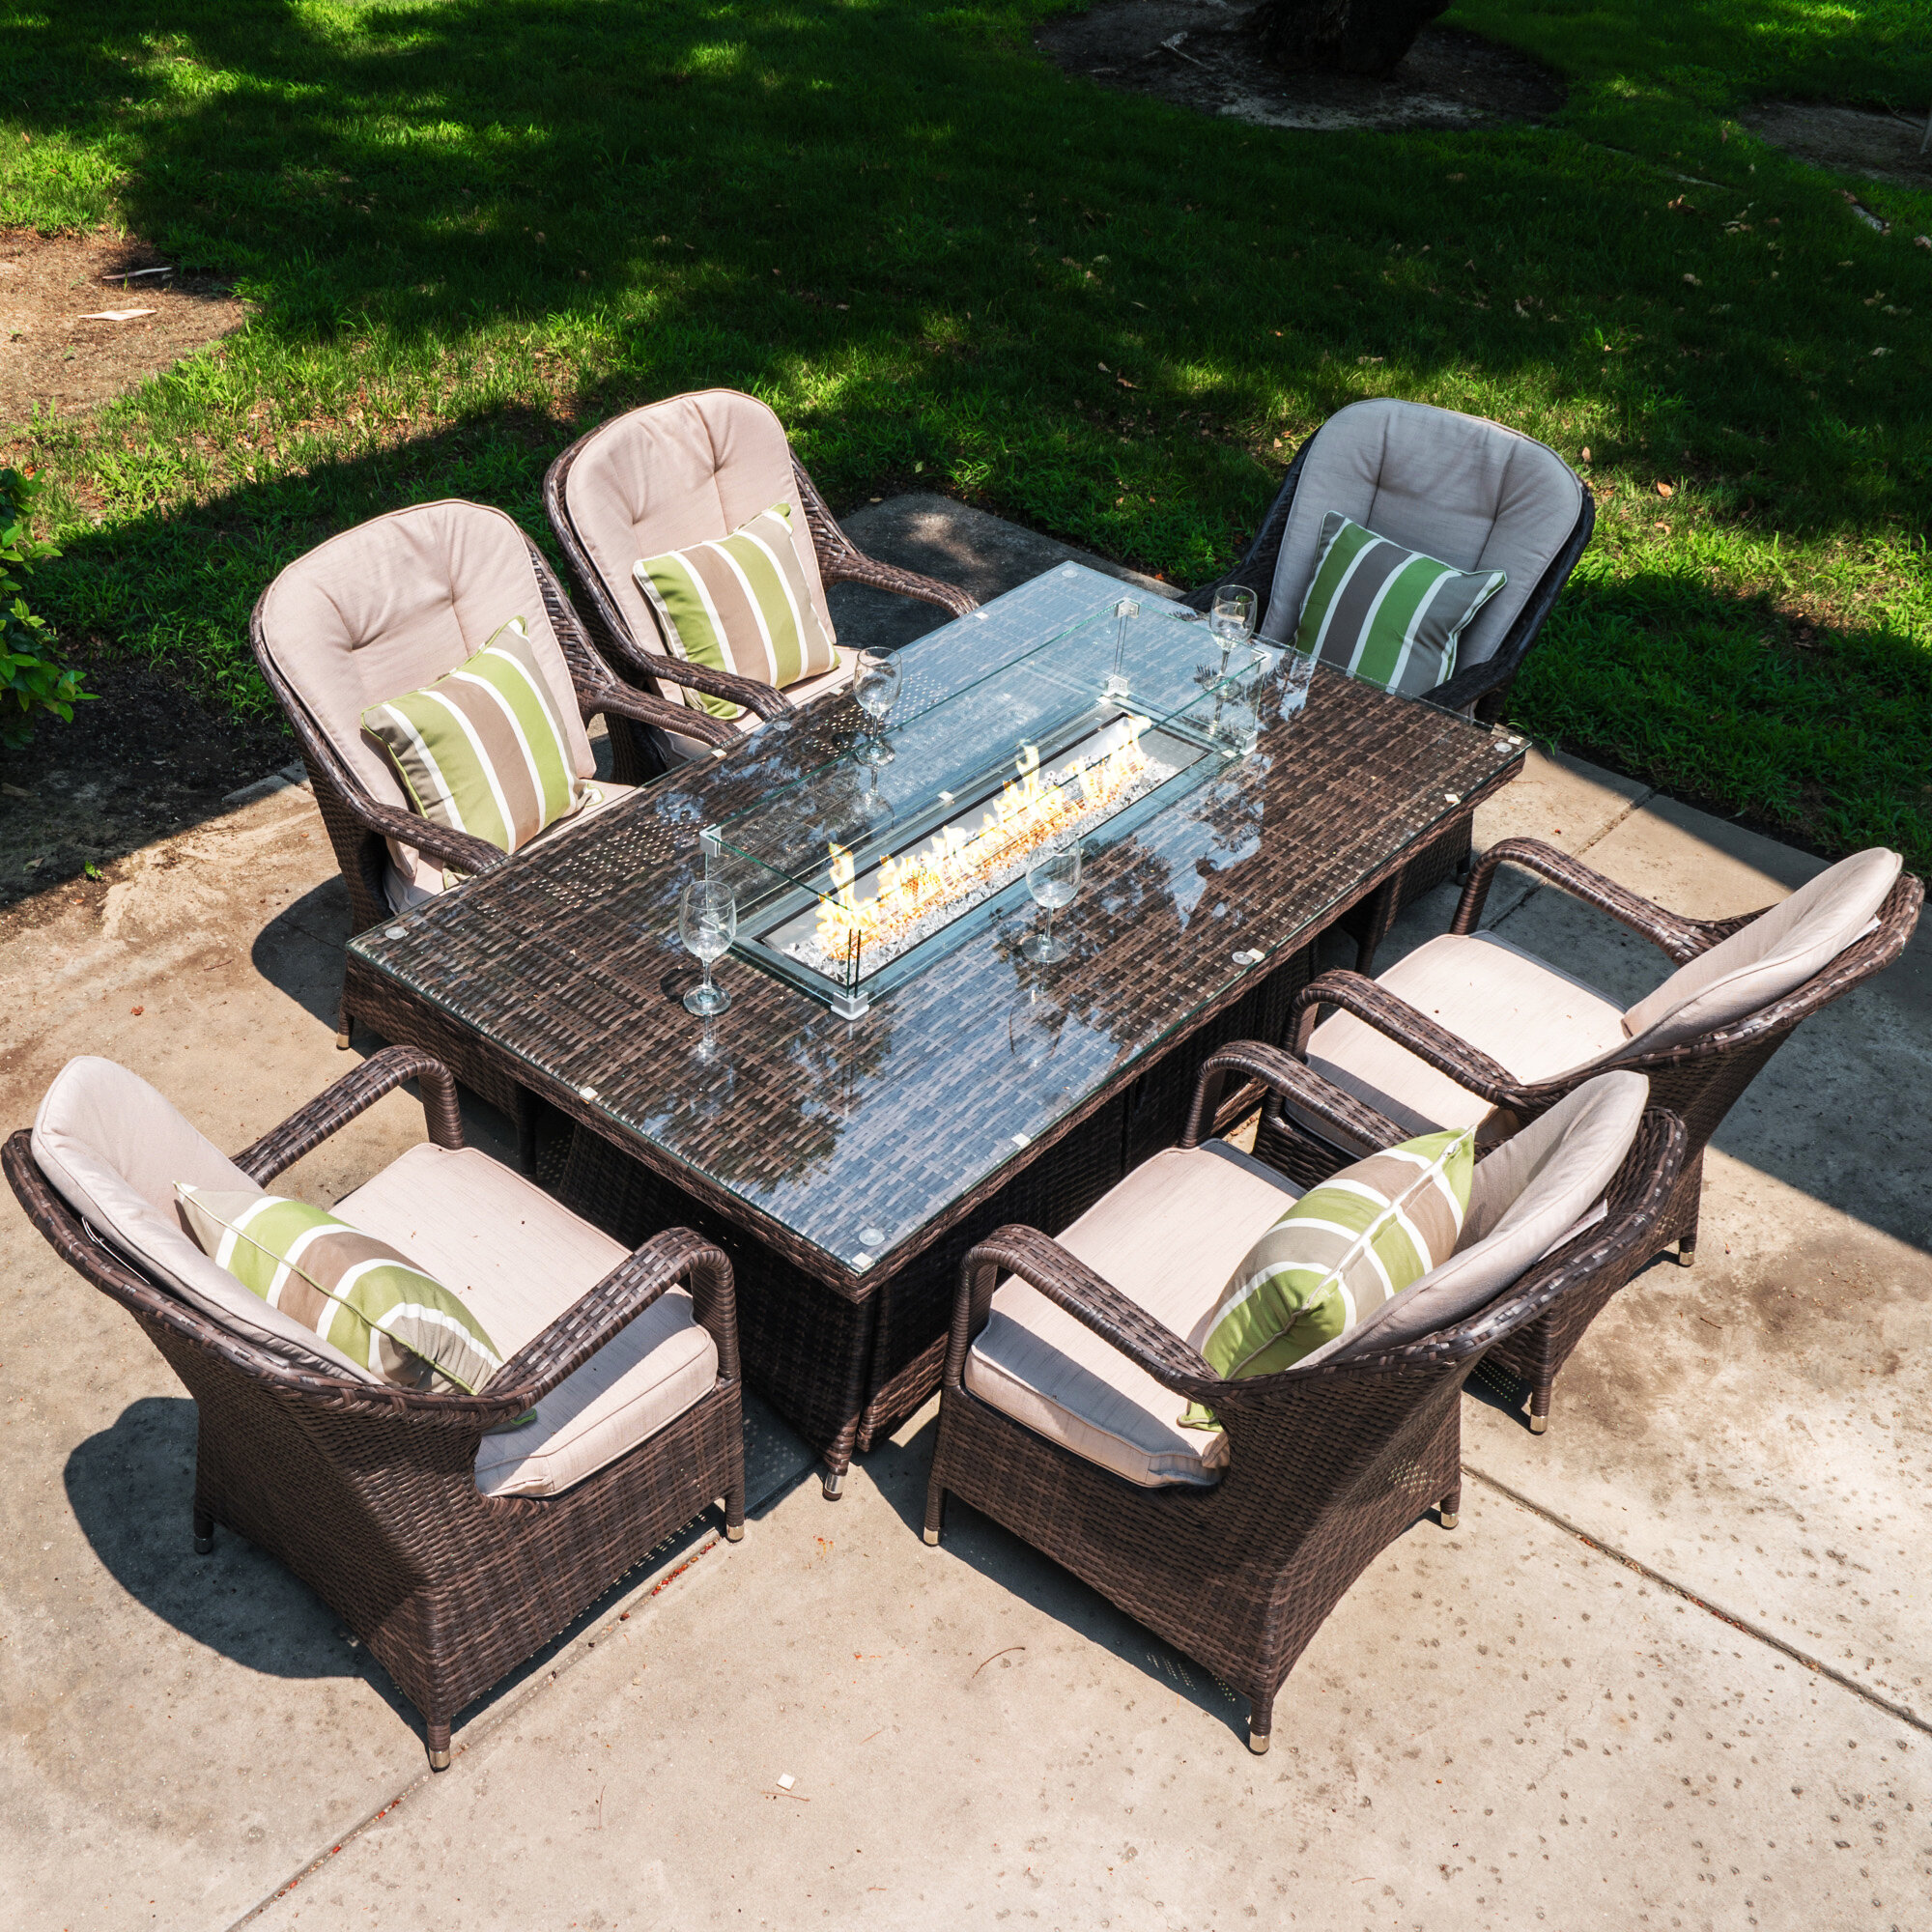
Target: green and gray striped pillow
[(482, 749), (1338, 1254), (1388, 615), (356, 1292), (741, 604)]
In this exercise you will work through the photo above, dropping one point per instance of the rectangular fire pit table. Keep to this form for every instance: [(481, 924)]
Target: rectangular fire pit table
[(893, 1078)]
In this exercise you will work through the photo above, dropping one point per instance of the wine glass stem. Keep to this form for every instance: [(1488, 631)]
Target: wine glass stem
[(707, 978), (1047, 939)]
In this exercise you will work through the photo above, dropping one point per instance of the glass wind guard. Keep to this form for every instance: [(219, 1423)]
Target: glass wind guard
[(867, 868)]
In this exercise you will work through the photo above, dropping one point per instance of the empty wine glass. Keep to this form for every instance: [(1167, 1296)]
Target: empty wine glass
[(1232, 618), (875, 684), (707, 923), (1053, 878)]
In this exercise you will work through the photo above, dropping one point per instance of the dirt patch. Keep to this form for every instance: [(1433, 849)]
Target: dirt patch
[(143, 761), (52, 354), (1850, 140), (1199, 54)]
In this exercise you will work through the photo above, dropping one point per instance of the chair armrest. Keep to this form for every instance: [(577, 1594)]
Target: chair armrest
[(309, 1126), (1390, 1015), (460, 851), (664, 1261), (1041, 1263), (1461, 690), (626, 700), (767, 700), (1682, 939), (842, 561), (1292, 1079)]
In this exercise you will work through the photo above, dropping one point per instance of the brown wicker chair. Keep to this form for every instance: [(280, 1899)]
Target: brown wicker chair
[(370, 1493), (690, 470), (388, 606), (1326, 1463), (1469, 491), (1698, 1077)]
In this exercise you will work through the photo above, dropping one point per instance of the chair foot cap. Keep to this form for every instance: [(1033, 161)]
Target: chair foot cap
[(204, 1546), (342, 1042), (734, 1532), (931, 1538), (1538, 1423), (1687, 1257), (833, 1482), (1450, 1519), (1258, 1743), (438, 1760)]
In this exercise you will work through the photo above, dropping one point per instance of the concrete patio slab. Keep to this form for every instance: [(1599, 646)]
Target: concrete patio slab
[(1497, 1727), (185, 1736)]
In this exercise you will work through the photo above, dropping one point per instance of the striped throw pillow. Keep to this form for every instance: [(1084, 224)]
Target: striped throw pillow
[(483, 748), (741, 604), (359, 1293), (1388, 615), (1338, 1254)]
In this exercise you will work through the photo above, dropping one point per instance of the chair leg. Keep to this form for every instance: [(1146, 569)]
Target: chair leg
[(1687, 1252), (935, 1512), (1539, 1408), (832, 1483), (438, 1729), (1450, 1509), (734, 1512), (204, 1533), (1260, 1723), (345, 1025)]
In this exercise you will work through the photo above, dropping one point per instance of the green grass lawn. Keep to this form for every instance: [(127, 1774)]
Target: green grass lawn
[(472, 229)]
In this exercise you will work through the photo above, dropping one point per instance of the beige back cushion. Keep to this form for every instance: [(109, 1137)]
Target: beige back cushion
[(686, 470), (1774, 955), (1469, 492), (393, 604), (112, 1149), (1526, 1199)]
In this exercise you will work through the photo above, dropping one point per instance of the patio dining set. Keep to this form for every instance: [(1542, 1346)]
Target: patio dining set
[(1013, 1074)]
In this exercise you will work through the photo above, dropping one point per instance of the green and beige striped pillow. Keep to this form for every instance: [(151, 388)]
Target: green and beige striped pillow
[(741, 604), (356, 1292), (1388, 615), (1338, 1254), (482, 749)]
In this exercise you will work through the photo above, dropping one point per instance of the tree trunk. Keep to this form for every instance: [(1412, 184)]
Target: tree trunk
[(1367, 36)]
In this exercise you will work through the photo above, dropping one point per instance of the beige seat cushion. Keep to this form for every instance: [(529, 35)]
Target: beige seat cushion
[(1167, 1237), (424, 880), (1527, 1197), (1526, 1015), (521, 1260), (112, 1149), (1455, 487), (390, 606), (689, 469), (1774, 955)]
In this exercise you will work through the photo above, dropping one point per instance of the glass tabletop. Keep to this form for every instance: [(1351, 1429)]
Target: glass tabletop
[(850, 1143), (869, 866)]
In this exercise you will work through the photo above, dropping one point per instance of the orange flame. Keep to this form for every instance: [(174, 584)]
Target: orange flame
[(1028, 813)]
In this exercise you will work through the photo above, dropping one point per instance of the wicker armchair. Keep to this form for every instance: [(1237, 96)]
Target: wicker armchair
[(388, 606), (1326, 1464), (1507, 1037), (686, 470), (370, 1493), (1469, 491)]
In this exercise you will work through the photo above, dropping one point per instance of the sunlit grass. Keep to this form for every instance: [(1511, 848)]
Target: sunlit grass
[(471, 230)]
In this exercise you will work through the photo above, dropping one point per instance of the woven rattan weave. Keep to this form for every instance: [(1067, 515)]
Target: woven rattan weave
[(369, 1494), (1329, 1464), (846, 1167)]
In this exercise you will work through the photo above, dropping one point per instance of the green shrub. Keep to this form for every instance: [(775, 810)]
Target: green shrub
[(33, 683)]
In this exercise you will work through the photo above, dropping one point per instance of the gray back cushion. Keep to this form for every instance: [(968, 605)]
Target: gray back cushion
[(1465, 490), (112, 1149), (1527, 1197)]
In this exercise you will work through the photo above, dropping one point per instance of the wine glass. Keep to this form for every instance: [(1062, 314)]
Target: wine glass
[(707, 923), (1053, 878), (1232, 618), (875, 684)]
